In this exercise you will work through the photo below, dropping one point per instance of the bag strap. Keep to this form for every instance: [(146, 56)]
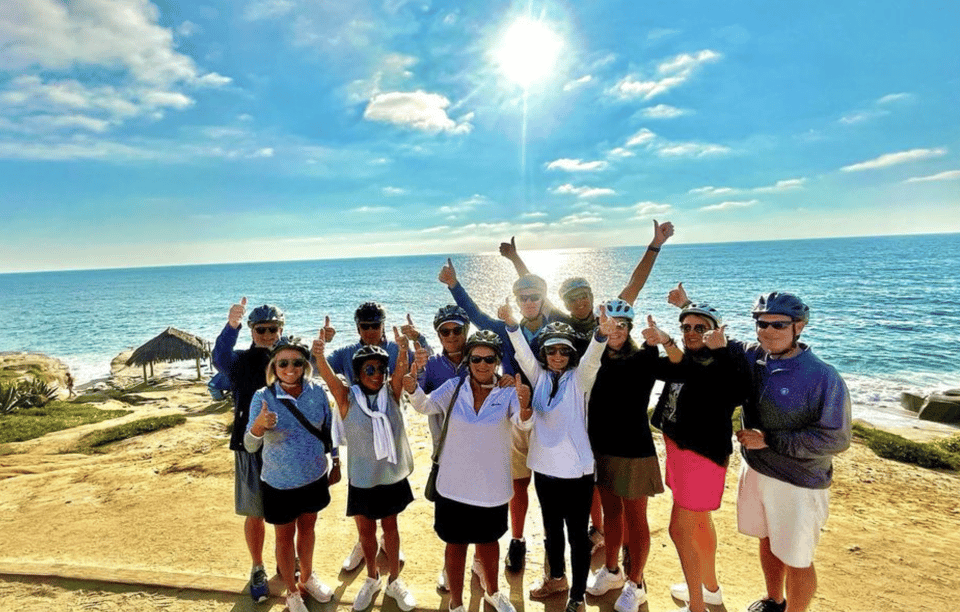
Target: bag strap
[(327, 439), (446, 421)]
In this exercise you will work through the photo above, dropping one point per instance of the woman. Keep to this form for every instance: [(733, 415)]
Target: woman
[(627, 468), (473, 483), (560, 454), (370, 422), (694, 414), (294, 475)]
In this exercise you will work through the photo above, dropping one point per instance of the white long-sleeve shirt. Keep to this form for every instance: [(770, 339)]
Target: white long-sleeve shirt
[(559, 445)]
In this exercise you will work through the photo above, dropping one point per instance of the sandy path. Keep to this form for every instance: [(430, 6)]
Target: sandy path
[(158, 511)]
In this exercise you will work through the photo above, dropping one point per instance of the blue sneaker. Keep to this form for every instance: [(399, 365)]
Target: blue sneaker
[(259, 589)]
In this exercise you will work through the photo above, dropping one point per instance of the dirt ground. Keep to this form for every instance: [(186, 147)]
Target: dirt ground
[(150, 526)]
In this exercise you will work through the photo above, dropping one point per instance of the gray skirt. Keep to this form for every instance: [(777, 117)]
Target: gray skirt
[(629, 477)]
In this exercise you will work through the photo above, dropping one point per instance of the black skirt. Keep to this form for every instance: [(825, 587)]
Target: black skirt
[(459, 523), (380, 501), (282, 506)]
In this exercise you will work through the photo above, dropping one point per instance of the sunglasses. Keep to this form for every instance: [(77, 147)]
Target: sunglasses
[(446, 331), (562, 350), (272, 329), (576, 297), (533, 297), (490, 359), (297, 363), (371, 370), (774, 324), (369, 326), (699, 328)]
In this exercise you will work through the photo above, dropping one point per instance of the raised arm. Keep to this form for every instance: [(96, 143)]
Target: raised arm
[(522, 351), (653, 336), (339, 389), (402, 367), (590, 363), (661, 233), (509, 250), (480, 320), (223, 355)]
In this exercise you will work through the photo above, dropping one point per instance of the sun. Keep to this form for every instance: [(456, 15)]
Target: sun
[(527, 51)]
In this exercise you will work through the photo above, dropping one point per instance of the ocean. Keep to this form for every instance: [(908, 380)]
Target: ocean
[(884, 310)]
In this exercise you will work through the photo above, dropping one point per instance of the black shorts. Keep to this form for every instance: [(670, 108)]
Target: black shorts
[(282, 506), (380, 501), (459, 523)]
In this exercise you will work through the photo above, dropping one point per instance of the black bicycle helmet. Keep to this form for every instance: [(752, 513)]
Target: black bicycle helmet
[(451, 313), (370, 312), (781, 303), (704, 310), (365, 352), (485, 337), (265, 314), (555, 333), (290, 342)]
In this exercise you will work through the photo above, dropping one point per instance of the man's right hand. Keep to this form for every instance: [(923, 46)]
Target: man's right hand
[(678, 296), (236, 313), (509, 249), (448, 275)]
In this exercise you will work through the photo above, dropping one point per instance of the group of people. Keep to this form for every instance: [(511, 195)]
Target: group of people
[(559, 398)]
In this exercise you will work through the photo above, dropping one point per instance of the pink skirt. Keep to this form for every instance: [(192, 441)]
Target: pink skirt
[(696, 482)]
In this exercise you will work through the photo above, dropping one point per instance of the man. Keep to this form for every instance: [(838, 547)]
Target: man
[(796, 417), (370, 318), (246, 370), (452, 325)]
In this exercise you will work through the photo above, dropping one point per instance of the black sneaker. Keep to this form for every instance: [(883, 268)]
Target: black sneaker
[(767, 605), (516, 555), (574, 605)]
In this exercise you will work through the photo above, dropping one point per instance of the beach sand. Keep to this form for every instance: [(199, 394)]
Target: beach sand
[(150, 526)]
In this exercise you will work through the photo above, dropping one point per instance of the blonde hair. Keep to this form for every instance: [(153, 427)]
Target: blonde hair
[(272, 374)]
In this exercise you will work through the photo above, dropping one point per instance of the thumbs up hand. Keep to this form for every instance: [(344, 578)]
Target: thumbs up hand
[(265, 420), (236, 313)]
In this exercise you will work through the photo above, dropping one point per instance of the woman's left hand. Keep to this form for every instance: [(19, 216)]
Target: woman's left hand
[(334, 476)]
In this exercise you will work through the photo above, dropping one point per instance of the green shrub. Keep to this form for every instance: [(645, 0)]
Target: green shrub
[(30, 423), (891, 446), (93, 441), (951, 444)]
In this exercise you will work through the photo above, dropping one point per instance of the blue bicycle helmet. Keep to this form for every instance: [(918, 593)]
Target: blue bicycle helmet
[(781, 303)]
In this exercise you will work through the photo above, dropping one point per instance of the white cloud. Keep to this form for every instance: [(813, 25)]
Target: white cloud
[(877, 109), (895, 97), (779, 186), (584, 218), (576, 165), (583, 192), (644, 136), (188, 29), (537, 214), (692, 149), (417, 110), (267, 9), (730, 205), (578, 83), (393, 191), (784, 185), (670, 74), (710, 190), (949, 175), (372, 209), (464, 206), (863, 115), (649, 209), (621, 152), (264, 152), (892, 159), (663, 111)]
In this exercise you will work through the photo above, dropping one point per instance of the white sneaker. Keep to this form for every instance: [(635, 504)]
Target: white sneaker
[(711, 598), (604, 580), (401, 594), (354, 559), (317, 589), (367, 592), (403, 559), (443, 581), (631, 598), (295, 603), (499, 601)]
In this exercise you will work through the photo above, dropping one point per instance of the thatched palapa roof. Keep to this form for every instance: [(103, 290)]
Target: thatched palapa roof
[(171, 345)]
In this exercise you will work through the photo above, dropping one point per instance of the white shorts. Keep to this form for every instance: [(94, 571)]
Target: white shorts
[(790, 516)]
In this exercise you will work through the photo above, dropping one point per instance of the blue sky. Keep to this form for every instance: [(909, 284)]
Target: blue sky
[(136, 133)]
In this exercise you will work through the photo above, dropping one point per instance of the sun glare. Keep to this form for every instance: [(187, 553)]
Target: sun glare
[(527, 51)]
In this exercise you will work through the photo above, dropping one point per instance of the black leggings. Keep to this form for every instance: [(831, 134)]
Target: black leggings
[(567, 500)]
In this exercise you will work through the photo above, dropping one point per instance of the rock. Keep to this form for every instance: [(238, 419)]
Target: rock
[(17, 365), (941, 408), (952, 392), (911, 401)]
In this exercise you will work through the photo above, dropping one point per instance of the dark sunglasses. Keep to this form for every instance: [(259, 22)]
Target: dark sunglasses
[(562, 350), (446, 331), (491, 359), (266, 330), (699, 328), (369, 326), (576, 297), (370, 370), (774, 324), (297, 363), (535, 297)]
